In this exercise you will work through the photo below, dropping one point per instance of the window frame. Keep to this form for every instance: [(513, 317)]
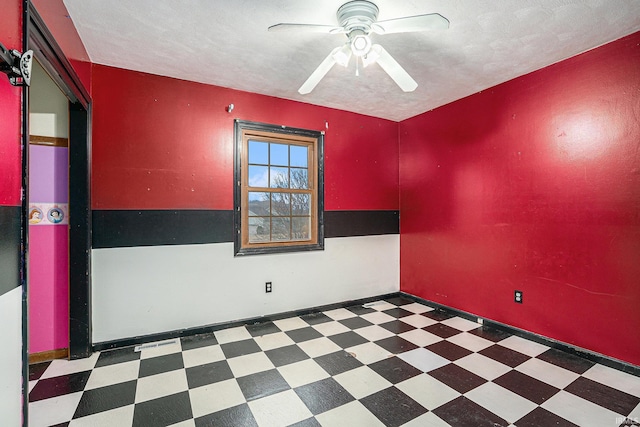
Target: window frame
[(247, 130)]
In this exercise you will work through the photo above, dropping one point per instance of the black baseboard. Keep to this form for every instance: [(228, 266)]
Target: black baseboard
[(549, 342), (540, 339), (126, 342)]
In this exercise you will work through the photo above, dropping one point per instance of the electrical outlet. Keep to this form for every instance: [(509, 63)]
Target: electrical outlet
[(268, 287), (517, 297)]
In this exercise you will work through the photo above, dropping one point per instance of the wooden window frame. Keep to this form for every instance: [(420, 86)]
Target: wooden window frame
[(245, 131)]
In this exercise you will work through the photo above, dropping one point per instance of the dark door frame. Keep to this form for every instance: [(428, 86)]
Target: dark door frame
[(49, 54)]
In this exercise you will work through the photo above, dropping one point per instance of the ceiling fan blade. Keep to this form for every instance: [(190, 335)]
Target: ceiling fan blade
[(395, 70), (319, 73), (432, 21), (307, 28)]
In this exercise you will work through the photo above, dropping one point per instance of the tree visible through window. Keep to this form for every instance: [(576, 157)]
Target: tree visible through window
[(279, 188)]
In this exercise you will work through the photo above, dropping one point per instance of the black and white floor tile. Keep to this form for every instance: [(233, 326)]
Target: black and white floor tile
[(389, 363)]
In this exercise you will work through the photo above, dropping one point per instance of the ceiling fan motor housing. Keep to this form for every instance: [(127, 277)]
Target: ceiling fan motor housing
[(357, 15)]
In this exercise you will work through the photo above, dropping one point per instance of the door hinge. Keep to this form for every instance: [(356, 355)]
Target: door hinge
[(16, 65)]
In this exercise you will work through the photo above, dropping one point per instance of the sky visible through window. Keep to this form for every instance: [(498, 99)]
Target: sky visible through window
[(269, 164)]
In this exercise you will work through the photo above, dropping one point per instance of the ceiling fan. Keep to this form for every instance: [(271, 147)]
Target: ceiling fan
[(358, 19)]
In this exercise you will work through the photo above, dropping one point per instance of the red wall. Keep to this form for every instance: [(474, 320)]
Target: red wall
[(56, 17), (162, 143), (83, 70), (12, 396), (10, 154), (533, 185)]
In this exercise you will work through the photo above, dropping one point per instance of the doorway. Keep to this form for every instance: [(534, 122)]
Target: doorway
[(48, 257), (61, 74)]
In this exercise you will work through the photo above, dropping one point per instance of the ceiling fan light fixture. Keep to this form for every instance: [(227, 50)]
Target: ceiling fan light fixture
[(370, 58), (342, 56), (360, 44)]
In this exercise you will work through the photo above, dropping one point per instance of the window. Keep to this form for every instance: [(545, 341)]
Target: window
[(278, 189)]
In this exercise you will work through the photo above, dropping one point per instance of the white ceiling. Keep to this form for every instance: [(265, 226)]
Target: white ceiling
[(226, 43)]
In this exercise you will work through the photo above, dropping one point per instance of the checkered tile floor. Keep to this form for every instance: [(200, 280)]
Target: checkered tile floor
[(388, 363)]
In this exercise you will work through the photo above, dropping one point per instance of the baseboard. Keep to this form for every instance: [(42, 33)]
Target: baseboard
[(126, 342), (549, 342), (45, 356)]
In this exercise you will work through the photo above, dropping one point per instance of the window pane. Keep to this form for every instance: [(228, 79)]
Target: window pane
[(279, 178), (280, 204), (299, 178), (259, 204), (259, 152), (280, 154), (258, 229), (280, 229), (258, 176), (301, 228), (300, 204), (299, 156)]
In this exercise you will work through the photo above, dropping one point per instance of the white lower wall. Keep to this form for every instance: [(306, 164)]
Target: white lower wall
[(11, 358), (146, 290)]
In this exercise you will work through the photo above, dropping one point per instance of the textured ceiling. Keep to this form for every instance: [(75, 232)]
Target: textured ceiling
[(226, 43)]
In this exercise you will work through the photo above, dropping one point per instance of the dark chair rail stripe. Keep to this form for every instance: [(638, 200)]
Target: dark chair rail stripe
[(9, 248), (130, 228), (360, 223)]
